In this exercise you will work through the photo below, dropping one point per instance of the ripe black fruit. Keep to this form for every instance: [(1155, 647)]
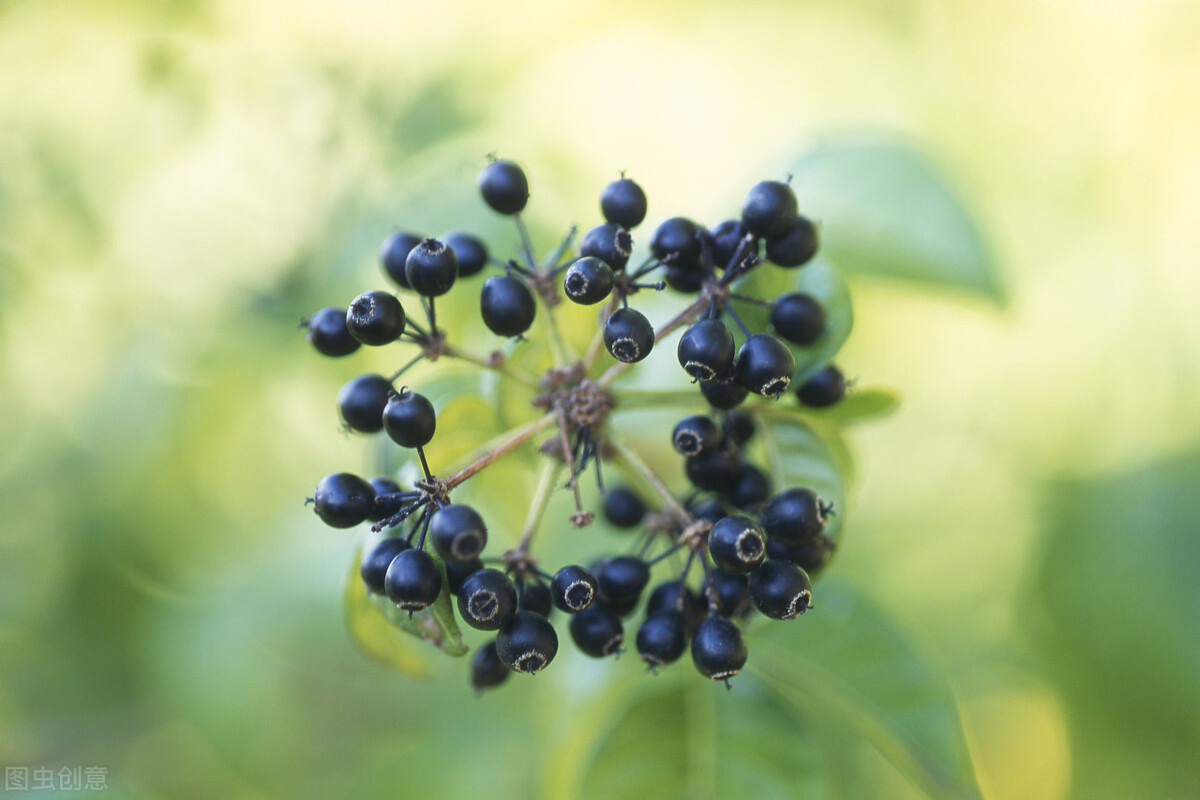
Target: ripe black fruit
[(623, 508), (751, 487), (375, 563), (794, 517), (458, 533), (738, 426), (597, 632), (361, 402), (622, 578), (696, 435), (724, 392), (409, 419), (677, 240), (588, 281), (706, 349), (527, 643), (487, 669), (687, 280), (780, 589), (471, 252), (375, 318), (823, 389), (662, 638), (737, 544), (413, 580), (457, 572), (676, 596), (431, 268), (712, 472), (718, 649), (343, 500), (573, 589), (732, 593), (535, 598), (795, 246), (507, 305), (328, 333), (798, 317), (724, 242), (394, 253), (811, 556), (628, 335), (769, 208), (764, 365), (610, 243), (504, 187), (487, 599), (623, 202), (384, 508)]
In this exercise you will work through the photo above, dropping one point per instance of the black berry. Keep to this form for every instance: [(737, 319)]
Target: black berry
[(780, 589), (375, 563), (413, 580), (764, 365), (597, 632), (504, 187), (394, 253), (573, 589), (610, 243), (622, 577), (706, 349), (725, 240), (628, 335), (328, 333), (343, 500), (677, 241), (409, 419), (676, 596), (361, 402), (375, 318), (751, 487), (718, 649), (738, 426), (709, 509), (687, 280), (457, 572), (794, 517), (769, 208), (487, 669), (811, 556), (712, 472), (384, 508), (798, 317), (457, 533), (696, 435), (662, 638), (431, 268), (507, 305), (487, 599), (823, 389), (623, 508), (471, 252), (535, 598), (724, 392), (795, 246), (737, 544), (527, 643), (732, 592), (623, 202), (588, 281)]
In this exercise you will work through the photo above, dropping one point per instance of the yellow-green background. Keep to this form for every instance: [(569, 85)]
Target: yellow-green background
[(181, 181)]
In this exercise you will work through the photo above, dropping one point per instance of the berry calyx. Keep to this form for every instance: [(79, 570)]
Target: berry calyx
[(504, 187), (737, 544), (769, 208), (823, 389), (507, 306), (573, 589), (487, 600), (343, 500), (361, 402), (527, 643), (409, 419), (413, 580), (432, 268), (764, 365), (458, 533), (706, 350), (610, 243), (624, 203), (628, 335), (328, 334), (696, 435), (588, 281), (375, 318)]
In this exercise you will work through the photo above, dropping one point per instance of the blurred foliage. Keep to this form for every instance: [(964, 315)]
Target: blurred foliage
[(182, 182)]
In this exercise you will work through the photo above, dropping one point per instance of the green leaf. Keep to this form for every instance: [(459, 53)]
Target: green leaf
[(389, 635), (884, 209), (846, 661), (817, 278), (798, 456)]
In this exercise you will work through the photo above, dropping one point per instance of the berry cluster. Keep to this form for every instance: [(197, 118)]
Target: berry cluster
[(737, 543)]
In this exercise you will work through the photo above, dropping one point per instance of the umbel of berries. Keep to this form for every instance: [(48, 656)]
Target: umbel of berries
[(684, 557)]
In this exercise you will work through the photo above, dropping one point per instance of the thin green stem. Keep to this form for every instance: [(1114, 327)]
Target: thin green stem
[(558, 345), (547, 480), (499, 447), (634, 461), (552, 260), (526, 242), (501, 366)]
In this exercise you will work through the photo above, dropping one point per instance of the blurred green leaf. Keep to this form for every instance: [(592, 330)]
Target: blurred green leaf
[(798, 456), (388, 634), (817, 278), (884, 209), (846, 660)]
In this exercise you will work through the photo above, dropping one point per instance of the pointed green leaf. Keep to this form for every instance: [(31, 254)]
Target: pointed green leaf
[(799, 457)]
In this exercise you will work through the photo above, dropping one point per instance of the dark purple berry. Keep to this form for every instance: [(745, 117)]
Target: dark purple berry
[(623, 202), (798, 317), (712, 472), (457, 532), (384, 507), (676, 596), (343, 500), (527, 643), (738, 426), (507, 305), (769, 208), (780, 589), (471, 252), (794, 517), (409, 419), (696, 435), (535, 598), (737, 544), (588, 281), (394, 253), (573, 589), (376, 562), (413, 580), (487, 669), (361, 402), (662, 638), (725, 240), (677, 241), (709, 509), (724, 392), (764, 365), (684, 280), (811, 556), (795, 246), (597, 632), (622, 577), (706, 350), (628, 335), (623, 508), (751, 487), (458, 572), (610, 243), (487, 599), (732, 593), (328, 333), (823, 389), (504, 187), (718, 649), (375, 318), (431, 268)]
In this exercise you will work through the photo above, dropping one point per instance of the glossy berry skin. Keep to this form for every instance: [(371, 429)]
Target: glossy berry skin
[(535, 598), (328, 334), (675, 596), (458, 533), (384, 508), (597, 632), (709, 509), (780, 589), (628, 335), (723, 393), (624, 203), (795, 246), (394, 253), (662, 638), (432, 268), (738, 427), (798, 317), (732, 592), (769, 208), (361, 402), (622, 577), (718, 649), (409, 419), (623, 508), (696, 435), (677, 240), (764, 365), (375, 563), (684, 280), (725, 240), (527, 643), (794, 517), (375, 318), (737, 545), (712, 472), (588, 281), (487, 600), (471, 252), (413, 580), (823, 389), (343, 500), (706, 350), (507, 306), (811, 556), (487, 669), (751, 487), (610, 243), (457, 572), (504, 187), (573, 589), (622, 607)]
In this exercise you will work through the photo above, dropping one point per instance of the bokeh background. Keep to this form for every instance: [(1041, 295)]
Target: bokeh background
[(180, 182)]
